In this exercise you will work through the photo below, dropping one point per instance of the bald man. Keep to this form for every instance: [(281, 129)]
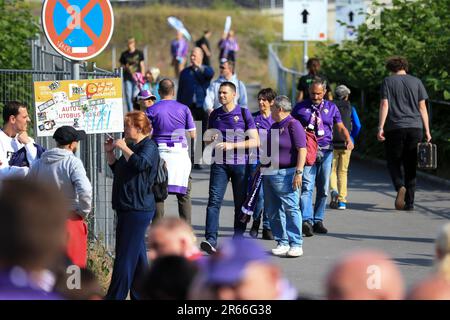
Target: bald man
[(192, 86), (443, 252), (433, 288), (365, 275), (172, 236)]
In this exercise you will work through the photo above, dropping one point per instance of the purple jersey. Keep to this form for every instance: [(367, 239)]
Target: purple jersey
[(263, 125), (179, 48), (329, 113), (232, 127), (291, 137), (170, 120)]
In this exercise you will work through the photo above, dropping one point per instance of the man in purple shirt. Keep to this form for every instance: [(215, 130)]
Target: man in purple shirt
[(179, 49), (319, 116), (171, 121), (283, 179), (231, 131), (263, 121)]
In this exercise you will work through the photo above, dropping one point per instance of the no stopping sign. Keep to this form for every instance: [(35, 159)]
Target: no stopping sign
[(78, 29)]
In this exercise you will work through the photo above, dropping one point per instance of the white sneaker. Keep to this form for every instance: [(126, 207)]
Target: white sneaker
[(295, 252), (280, 250)]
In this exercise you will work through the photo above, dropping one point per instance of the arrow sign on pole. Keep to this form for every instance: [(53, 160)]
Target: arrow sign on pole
[(305, 14), (350, 16)]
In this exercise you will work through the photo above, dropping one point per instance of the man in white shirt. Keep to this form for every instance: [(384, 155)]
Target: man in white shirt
[(13, 137), (226, 74)]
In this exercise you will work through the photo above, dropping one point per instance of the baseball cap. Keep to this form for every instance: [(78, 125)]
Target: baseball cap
[(145, 95), (227, 265), (66, 134)]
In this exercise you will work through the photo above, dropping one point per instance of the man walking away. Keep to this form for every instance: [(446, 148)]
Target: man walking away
[(171, 122), (60, 167), (402, 119)]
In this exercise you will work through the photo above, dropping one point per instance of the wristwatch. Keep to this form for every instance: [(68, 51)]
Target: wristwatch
[(298, 172)]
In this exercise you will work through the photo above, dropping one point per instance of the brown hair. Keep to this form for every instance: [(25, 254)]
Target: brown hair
[(397, 63), (139, 120), (32, 224), (313, 65)]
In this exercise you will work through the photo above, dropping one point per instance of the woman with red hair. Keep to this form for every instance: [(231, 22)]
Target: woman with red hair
[(133, 201)]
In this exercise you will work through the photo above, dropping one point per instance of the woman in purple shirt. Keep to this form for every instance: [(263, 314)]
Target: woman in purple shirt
[(319, 116), (283, 180), (263, 121), (179, 49)]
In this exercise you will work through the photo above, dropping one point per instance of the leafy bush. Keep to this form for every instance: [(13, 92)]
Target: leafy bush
[(418, 30)]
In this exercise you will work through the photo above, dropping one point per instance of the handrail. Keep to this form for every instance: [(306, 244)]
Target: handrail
[(279, 63)]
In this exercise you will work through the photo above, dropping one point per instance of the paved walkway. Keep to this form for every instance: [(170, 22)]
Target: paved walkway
[(369, 222)]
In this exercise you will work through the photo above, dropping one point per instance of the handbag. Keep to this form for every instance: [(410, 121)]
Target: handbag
[(426, 155)]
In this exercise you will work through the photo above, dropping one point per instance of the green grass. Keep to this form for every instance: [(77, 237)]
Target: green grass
[(148, 25)]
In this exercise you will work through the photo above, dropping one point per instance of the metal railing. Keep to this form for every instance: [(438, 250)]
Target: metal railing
[(285, 78), (48, 66)]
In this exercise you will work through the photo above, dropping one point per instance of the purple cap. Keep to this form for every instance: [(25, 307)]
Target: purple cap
[(227, 265), (146, 94)]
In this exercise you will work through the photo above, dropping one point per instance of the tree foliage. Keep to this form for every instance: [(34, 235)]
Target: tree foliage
[(416, 29), (17, 27)]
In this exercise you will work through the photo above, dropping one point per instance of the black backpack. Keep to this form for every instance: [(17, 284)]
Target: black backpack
[(161, 185), (345, 109)]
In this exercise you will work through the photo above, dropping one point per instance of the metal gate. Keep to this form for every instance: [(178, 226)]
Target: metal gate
[(17, 85)]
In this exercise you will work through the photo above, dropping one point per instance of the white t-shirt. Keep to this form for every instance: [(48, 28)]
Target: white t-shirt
[(8, 146)]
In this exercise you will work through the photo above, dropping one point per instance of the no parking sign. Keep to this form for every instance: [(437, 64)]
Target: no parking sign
[(78, 29)]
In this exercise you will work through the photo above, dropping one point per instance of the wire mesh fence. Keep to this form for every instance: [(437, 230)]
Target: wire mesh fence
[(17, 85)]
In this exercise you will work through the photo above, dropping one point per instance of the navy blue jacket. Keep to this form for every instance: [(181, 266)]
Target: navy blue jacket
[(133, 179), (194, 82)]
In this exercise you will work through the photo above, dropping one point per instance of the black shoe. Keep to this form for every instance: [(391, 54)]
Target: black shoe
[(207, 247), (197, 167), (409, 207), (307, 229), (254, 229), (319, 228), (267, 234)]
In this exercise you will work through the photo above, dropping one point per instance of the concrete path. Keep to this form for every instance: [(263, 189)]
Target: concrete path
[(369, 222)]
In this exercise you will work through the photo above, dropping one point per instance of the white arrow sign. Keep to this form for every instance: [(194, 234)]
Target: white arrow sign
[(351, 12), (305, 20)]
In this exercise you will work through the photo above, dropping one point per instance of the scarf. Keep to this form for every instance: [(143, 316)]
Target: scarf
[(315, 122)]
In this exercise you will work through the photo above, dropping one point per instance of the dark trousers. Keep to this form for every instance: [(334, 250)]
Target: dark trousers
[(130, 263), (219, 177), (401, 153), (199, 115), (184, 206)]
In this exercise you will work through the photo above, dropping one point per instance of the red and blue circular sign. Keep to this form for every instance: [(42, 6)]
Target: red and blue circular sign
[(78, 29)]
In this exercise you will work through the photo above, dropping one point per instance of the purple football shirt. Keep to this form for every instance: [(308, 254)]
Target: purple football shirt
[(291, 137), (170, 120), (330, 115), (232, 127)]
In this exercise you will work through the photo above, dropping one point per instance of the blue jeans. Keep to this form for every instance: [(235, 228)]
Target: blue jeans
[(259, 208), (316, 175), (281, 202), (131, 91), (218, 181), (130, 263)]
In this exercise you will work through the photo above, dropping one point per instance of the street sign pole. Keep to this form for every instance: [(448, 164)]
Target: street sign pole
[(75, 75)]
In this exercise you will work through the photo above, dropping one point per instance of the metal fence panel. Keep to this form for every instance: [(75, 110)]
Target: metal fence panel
[(17, 85)]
